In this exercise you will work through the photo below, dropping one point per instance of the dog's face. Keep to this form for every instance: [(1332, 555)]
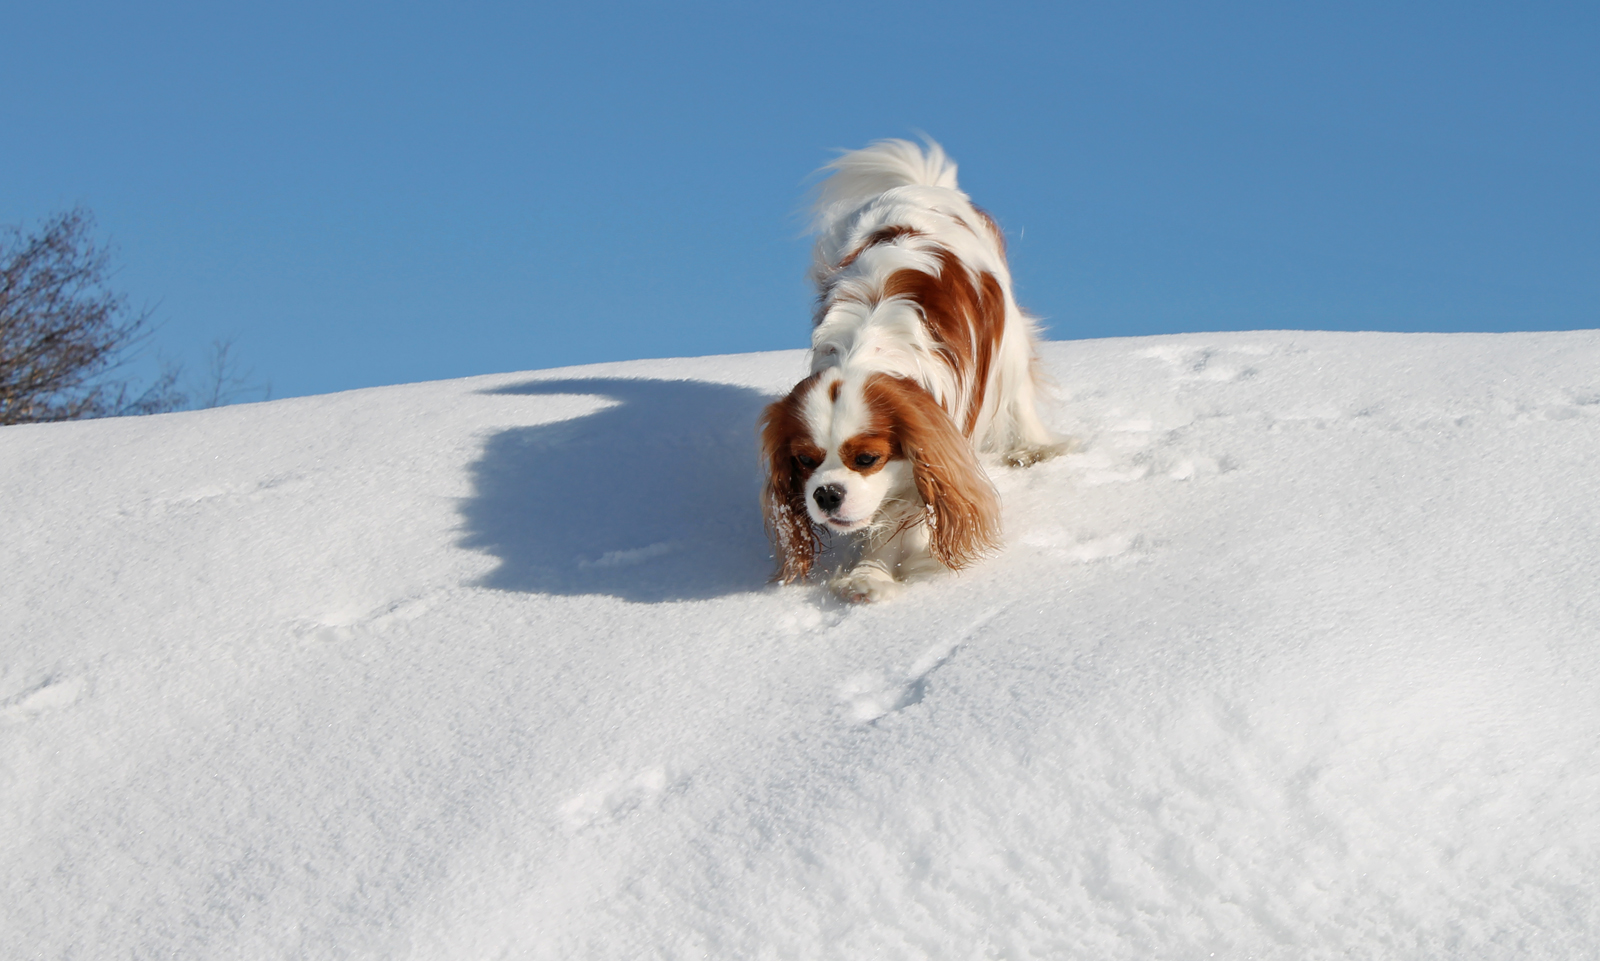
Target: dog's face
[(846, 460), (846, 453)]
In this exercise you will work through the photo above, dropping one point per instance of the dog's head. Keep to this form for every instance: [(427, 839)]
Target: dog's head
[(847, 453)]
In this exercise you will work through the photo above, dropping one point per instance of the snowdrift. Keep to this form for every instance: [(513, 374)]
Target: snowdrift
[(1295, 657)]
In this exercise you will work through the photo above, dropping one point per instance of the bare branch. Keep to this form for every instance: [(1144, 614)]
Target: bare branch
[(226, 381)]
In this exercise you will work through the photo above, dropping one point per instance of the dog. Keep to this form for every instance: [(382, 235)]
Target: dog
[(920, 362)]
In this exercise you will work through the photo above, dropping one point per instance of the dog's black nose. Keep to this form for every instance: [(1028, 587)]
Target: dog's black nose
[(829, 497)]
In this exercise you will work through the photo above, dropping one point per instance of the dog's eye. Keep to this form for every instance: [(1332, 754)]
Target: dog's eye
[(805, 460), (866, 460)]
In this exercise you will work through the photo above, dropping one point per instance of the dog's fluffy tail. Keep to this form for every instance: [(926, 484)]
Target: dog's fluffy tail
[(861, 175)]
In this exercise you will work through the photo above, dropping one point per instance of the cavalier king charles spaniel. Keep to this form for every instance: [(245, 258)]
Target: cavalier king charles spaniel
[(920, 362)]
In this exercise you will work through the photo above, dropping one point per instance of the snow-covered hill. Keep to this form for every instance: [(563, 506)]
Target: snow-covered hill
[(1298, 656)]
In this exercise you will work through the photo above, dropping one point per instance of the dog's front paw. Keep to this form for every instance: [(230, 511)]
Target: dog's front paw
[(867, 584), (1028, 456)]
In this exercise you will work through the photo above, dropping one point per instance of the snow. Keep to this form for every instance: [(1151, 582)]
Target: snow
[(1294, 657)]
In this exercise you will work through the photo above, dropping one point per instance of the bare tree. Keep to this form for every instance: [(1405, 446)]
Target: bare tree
[(64, 334)]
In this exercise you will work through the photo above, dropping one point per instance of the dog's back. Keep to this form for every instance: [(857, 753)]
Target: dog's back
[(912, 281)]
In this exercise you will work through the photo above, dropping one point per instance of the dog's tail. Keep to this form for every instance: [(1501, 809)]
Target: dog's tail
[(860, 175)]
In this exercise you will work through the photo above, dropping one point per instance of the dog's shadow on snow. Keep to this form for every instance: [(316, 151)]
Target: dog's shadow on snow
[(652, 498)]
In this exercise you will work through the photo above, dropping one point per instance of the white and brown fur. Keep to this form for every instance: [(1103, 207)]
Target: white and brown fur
[(921, 361)]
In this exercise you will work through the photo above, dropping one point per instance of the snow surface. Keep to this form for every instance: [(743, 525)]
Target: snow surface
[(1295, 657)]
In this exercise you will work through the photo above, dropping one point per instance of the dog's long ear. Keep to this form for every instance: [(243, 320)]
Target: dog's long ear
[(783, 499), (963, 509)]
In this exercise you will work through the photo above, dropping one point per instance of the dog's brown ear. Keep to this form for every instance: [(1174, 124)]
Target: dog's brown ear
[(963, 510), (783, 503)]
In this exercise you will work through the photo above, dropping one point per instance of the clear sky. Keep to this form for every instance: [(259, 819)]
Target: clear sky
[(364, 194)]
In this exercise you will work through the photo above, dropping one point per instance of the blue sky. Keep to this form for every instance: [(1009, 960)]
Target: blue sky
[(371, 194)]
